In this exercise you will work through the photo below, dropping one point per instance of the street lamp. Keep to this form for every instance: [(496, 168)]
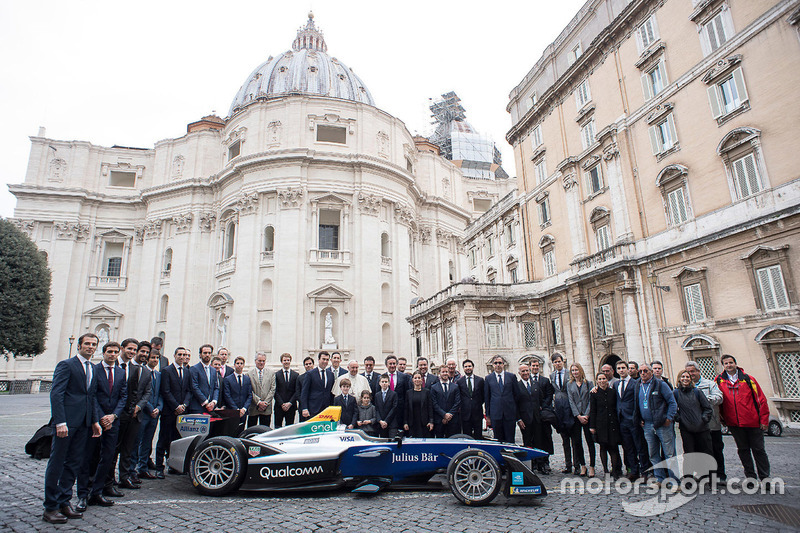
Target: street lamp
[(652, 277), (71, 340)]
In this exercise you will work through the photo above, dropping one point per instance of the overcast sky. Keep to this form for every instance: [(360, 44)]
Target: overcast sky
[(133, 73)]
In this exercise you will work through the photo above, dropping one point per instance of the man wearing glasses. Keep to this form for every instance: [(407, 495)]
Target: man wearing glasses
[(655, 411), (501, 401)]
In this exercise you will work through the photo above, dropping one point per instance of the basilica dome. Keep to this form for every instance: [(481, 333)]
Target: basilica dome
[(305, 69)]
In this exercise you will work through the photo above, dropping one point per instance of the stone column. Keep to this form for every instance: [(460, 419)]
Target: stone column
[(630, 315), (581, 334), (622, 221), (577, 226)]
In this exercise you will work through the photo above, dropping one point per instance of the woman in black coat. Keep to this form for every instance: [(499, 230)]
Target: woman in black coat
[(694, 413), (604, 424), (419, 409)]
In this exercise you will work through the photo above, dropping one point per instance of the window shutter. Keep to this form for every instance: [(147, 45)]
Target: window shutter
[(713, 100), (672, 133), (776, 276), (654, 27), (639, 42), (767, 295), (609, 324), (646, 87), (738, 80), (654, 142), (598, 322), (712, 35), (694, 303), (752, 173), (741, 178), (678, 206)]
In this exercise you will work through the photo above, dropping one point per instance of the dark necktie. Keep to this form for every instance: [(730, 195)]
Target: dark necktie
[(180, 373), (88, 375), (529, 388), (324, 378), (240, 381), (445, 389), (110, 379), (286, 373), (500, 380), (469, 385), (559, 380)]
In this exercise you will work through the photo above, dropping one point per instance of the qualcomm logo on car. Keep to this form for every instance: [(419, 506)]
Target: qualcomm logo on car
[(290, 471)]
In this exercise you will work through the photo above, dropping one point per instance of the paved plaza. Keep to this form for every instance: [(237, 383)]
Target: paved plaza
[(172, 504)]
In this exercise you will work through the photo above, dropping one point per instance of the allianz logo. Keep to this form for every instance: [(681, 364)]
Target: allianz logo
[(290, 471)]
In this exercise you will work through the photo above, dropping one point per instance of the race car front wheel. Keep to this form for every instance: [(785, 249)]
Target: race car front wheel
[(474, 477), (218, 466)]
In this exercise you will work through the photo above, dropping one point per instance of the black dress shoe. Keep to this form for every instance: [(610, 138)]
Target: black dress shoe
[(128, 484), (160, 474), (112, 492), (69, 512), (99, 499), (81, 507), (150, 464), (567, 470), (54, 517), (545, 470), (134, 478), (172, 471), (147, 475)]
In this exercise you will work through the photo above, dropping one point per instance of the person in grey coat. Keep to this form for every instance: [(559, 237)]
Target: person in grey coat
[(578, 391), (714, 396), (366, 414)]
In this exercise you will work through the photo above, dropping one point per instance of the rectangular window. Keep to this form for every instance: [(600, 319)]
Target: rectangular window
[(534, 99), (676, 207), (490, 246), (113, 259), (481, 206), (544, 211), (772, 288), (707, 369), (594, 179), (728, 95), (663, 136), (746, 177), (448, 338), (328, 229), (549, 263), (716, 31), (509, 230), (536, 137), (654, 80), (587, 134), (555, 327), (575, 53), (602, 320), (234, 150), (331, 134), (529, 334), (494, 338), (119, 178), (582, 95), (603, 235), (513, 273), (434, 340), (473, 257), (647, 33), (541, 171), (114, 267), (695, 309)]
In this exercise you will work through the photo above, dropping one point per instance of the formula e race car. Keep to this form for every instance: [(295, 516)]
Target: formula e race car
[(319, 455)]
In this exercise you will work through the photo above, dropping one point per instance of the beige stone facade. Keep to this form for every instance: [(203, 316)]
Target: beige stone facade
[(655, 151)]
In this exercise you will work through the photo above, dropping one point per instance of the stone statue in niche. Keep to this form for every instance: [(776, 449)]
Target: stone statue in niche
[(223, 330), (330, 341), (102, 337)]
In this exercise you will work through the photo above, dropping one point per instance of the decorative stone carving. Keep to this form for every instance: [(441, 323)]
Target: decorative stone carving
[(183, 222), (425, 234), (152, 229), (590, 161), (461, 247), (207, 221), (443, 237), (72, 230), (720, 67), (247, 204), (57, 169), (274, 131), (330, 118), (177, 166), (26, 226), (138, 234), (659, 111), (446, 188), (569, 181), (403, 214), (239, 134), (610, 152), (370, 204), (291, 197), (383, 144)]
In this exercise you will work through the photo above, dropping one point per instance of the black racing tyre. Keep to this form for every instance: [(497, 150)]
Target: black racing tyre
[(218, 466), (774, 429), (254, 430), (461, 436), (474, 477)]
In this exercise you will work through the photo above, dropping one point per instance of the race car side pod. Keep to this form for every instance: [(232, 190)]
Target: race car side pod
[(521, 481), (372, 485)]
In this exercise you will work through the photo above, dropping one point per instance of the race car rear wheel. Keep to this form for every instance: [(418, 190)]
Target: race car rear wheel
[(254, 430), (218, 466), (474, 477)]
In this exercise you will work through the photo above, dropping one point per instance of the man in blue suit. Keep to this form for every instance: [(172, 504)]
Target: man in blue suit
[(205, 386), (500, 392), (373, 378), (428, 379), (317, 385), (238, 391), (471, 388), (73, 415), (385, 401), (634, 448), (176, 392), (110, 399), (152, 412), (446, 400), (399, 382)]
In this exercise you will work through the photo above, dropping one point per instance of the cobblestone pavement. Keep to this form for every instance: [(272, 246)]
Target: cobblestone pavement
[(172, 504)]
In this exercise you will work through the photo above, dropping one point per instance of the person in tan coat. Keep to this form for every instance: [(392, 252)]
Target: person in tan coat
[(262, 380)]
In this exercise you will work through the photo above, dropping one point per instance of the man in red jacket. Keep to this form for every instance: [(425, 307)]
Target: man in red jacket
[(745, 411)]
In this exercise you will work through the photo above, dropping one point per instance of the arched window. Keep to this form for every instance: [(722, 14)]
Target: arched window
[(599, 219), (166, 264), (740, 151), (672, 180), (265, 337), (230, 240), (386, 338), (269, 239), (451, 269), (266, 294), (385, 249), (162, 310), (547, 244)]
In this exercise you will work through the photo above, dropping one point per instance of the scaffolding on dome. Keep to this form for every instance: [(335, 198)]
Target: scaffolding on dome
[(459, 142)]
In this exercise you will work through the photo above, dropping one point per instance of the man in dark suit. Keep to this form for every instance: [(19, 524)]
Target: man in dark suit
[(452, 366), (237, 389), (226, 369), (446, 400), (286, 392), (385, 401), (500, 391), (74, 415), (176, 390), (205, 383), (369, 372), (634, 448), (399, 383), (471, 388), (559, 379), (157, 346), (347, 403), (110, 399), (428, 380), (534, 393), (139, 391), (316, 395), (336, 368), (308, 366), (152, 412)]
